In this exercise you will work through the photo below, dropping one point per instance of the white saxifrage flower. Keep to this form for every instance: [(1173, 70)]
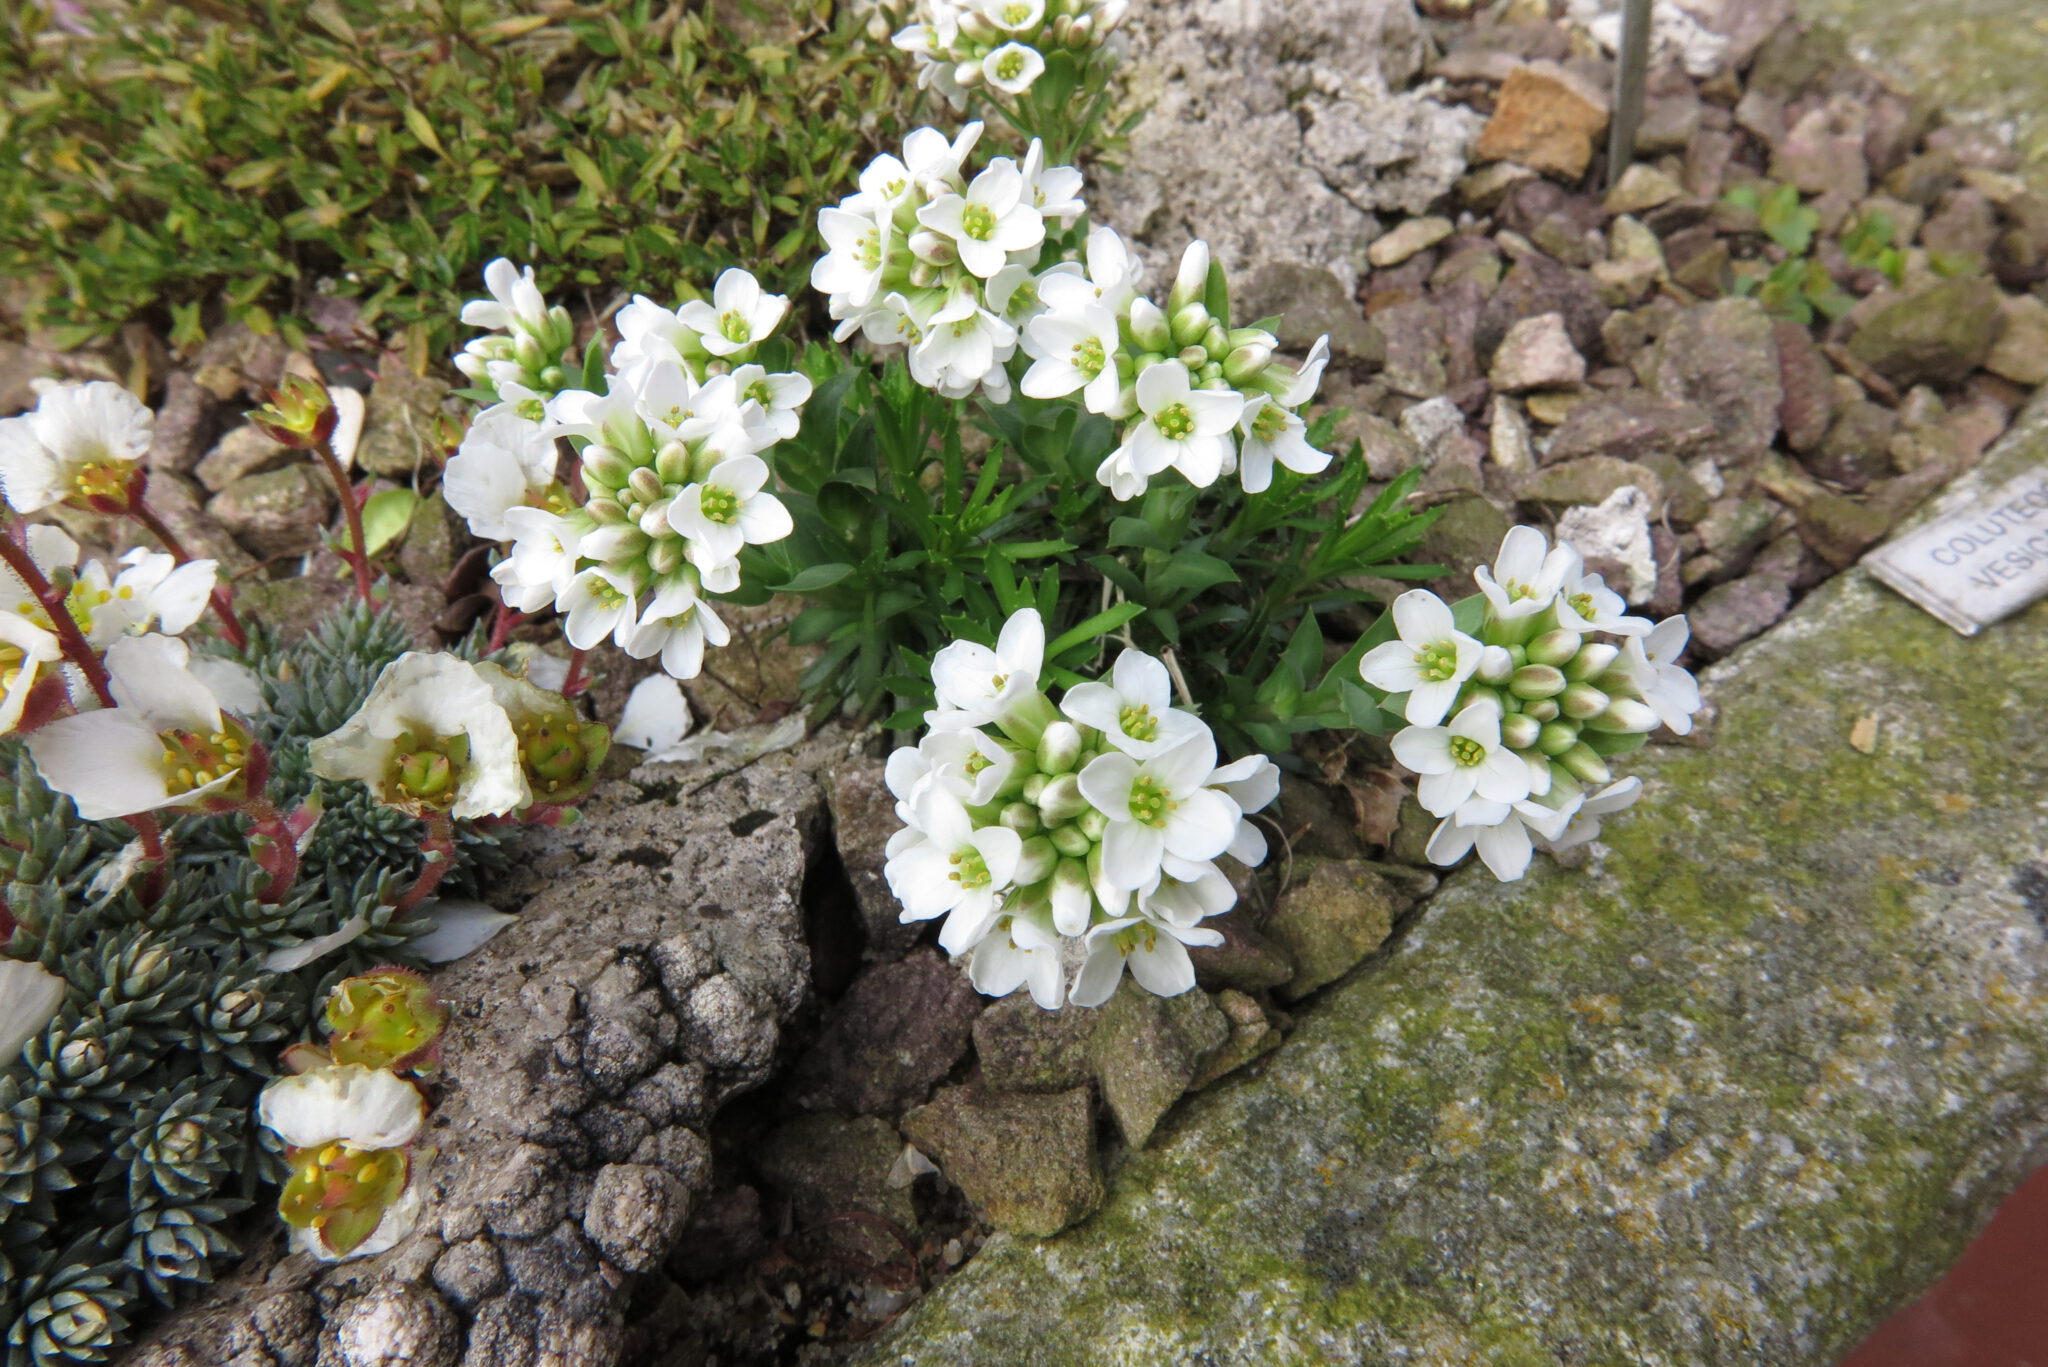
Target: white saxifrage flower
[(1585, 604), (1251, 783), (1585, 819), (165, 742), (1019, 952), (1073, 347), (515, 303), (975, 685), (79, 445), (1135, 710), (1183, 427), (1156, 807), (1463, 759), (964, 345), (1270, 433), (1013, 68), (779, 399), (30, 996), (343, 1103), (1503, 832), (1430, 662), (431, 738), (1526, 576), (1055, 191), (989, 220), (948, 868), (739, 315), (505, 462), (27, 654), (1155, 952), (728, 510), (676, 627)]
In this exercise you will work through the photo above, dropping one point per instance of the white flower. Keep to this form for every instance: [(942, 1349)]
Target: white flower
[(1135, 711), (1302, 387), (974, 684), (1156, 953), (82, 441), (964, 345), (1503, 833), (26, 651), (431, 737), (1013, 68), (1159, 806), (1019, 952), (943, 866), (676, 626), (1055, 191), (342, 1103), (935, 161), (597, 603), (739, 315), (163, 744), (656, 716), (989, 221), (1120, 476), (728, 510), (543, 558), (505, 462), (1652, 664), (1462, 759), (1430, 662), (780, 399), (1585, 604), (649, 332), (1013, 16), (1184, 427), (1585, 825), (1526, 575), (400, 1220), (1272, 432), (857, 251), (1073, 348), (1112, 279), (156, 590), (515, 302), (30, 996), (1251, 783)]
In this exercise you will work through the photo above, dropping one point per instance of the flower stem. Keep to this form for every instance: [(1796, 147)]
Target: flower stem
[(503, 623), (574, 682), (358, 556), (223, 598), (438, 845), (76, 648)]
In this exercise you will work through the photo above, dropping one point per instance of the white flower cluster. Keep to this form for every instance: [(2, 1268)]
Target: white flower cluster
[(948, 266), (672, 484), (961, 45), (1080, 837), (530, 352), (1536, 703)]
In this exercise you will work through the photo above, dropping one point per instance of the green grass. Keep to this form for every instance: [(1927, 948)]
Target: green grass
[(226, 159)]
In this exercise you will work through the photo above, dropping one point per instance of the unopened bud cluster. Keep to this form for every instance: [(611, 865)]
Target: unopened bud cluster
[(1077, 838), (1511, 729), (530, 352), (950, 267), (963, 45)]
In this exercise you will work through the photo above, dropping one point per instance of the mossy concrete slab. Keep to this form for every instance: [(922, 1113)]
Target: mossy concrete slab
[(1728, 1094)]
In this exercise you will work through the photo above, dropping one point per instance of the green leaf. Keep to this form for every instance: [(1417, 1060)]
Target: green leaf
[(1100, 625), (386, 515), (816, 577)]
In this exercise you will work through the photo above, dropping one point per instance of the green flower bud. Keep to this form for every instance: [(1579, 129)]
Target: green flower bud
[(526, 349), (1557, 737), (1519, 731), (1553, 647), (1581, 702), (1062, 800), (1070, 840), (1581, 763), (561, 329), (1191, 281), (665, 556), (1034, 786), (1036, 860), (1071, 874), (1245, 364), (1618, 683), (1593, 659), (554, 377), (1190, 321), (605, 512), (1093, 823), (1022, 818), (1626, 717), (1216, 341), (1537, 681), (1059, 749), (672, 462), (645, 484), (1543, 710), (604, 467), (1193, 357)]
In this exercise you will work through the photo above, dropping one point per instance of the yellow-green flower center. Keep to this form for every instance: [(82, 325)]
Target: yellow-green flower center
[(105, 480), (1150, 803), (978, 221), (733, 326), (719, 504), (1438, 662), (1010, 66), (428, 768), (1466, 751), (1270, 423), (1175, 422), (1088, 356), (191, 760), (1582, 604), (969, 869), (1139, 723)]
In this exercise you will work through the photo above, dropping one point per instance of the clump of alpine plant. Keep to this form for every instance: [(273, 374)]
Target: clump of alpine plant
[(1512, 724), (1000, 47), (669, 483), (960, 270), (1065, 842)]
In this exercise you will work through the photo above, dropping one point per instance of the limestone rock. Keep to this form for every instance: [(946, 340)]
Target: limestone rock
[(1546, 119), (1252, 1036), (401, 427), (1591, 480), (1279, 133), (1807, 386), (1611, 1115), (1630, 425), (245, 450), (1413, 235), (899, 1029), (1537, 353), (830, 1165), (1340, 912), (863, 819), (1613, 538), (1024, 1048), (1939, 335), (281, 512), (2021, 352), (1246, 959), (1721, 357), (1729, 614), (1147, 1051), (1026, 1160), (1642, 186), (1311, 303), (1854, 452), (655, 956)]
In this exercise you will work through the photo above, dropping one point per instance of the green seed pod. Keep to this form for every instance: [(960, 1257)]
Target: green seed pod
[(389, 1020), (1553, 647), (1537, 681), (1582, 702)]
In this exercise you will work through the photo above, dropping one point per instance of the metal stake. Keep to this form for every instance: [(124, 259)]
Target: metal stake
[(1632, 65)]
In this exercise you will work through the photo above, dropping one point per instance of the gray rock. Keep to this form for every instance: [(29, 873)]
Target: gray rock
[(1246, 959), (1721, 357), (1280, 135), (863, 819), (283, 512), (402, 425), (830, 1165), (1026, 1160), (2021, 352), (1025, 1048), (1253, 1035), (1613, 537), (1508, 444), (1729, 614), (1629, 426), (1823, 152), (1432, 425), (899, 1029), (1939, 335), (1854, 453), (1539, 285), (1591, 480), (528, 1226), (1416, 353), (1341, 911), (1147, 1051), (1608, 1115), (1405, 240), (1807, 385), (1536, 353), (245, 450), (1311, 303)]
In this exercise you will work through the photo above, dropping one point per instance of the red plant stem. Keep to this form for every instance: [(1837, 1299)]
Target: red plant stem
[(503, 623), (438, 845), (223, 595), (79, 652), (573, 683), (351, 509)]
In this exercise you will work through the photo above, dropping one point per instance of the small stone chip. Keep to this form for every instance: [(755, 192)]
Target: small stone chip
[(1863, 735)]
